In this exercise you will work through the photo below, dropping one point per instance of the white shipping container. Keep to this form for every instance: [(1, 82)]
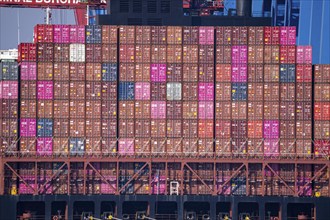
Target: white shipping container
[(77, 52), (173, 91)]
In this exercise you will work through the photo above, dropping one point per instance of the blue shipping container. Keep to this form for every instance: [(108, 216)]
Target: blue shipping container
[(129, 189), (238, 186), (126, 91), (109, 72), (45, 127), (77, 146), (8, 70), (239, 91), (93, 34), (287, 73)]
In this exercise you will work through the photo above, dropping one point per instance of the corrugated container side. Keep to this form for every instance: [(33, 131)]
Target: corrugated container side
[(158, 91), (27, 52), (174, 54), (189, 128), (28, 109), (93, 34), (271, 147), (9, 127), (173, 128), (223, 110), (174, 72), (223, 54), (304, 129), (206, 54), (77, 127), (43, 33), (108, 109), (45, 109), (77, 53), (222, 129), (223, 91), (255, 110), (93, 52), (8, 70), (239, 110), (61, 128), (77, 34), (158, 127), (109, 53), (142, 53), (143, 34), (126, 109), (189, 109), (61, 52), (9, 89), (287, 129), (158, 53), (45, 71), (322, 73), (61, 108), (190, 35), (321, 129), (224, 35), (190, 72), (271, 54), (174, 110), (61, 33), (190, 53), (142, 109), (287, 110), (256, 35), (142, 72), (44, 146), (142, 128), (322, 111), (109, 129), (109, 34), (255, 72), (45, 52)]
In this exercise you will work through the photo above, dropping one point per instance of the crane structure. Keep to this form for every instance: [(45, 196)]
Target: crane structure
[(81, 7)]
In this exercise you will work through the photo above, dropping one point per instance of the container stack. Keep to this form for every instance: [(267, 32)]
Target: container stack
[(322, 111), (9, 106)]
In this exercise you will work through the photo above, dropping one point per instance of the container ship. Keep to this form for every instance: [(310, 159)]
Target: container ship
[(164, 122)]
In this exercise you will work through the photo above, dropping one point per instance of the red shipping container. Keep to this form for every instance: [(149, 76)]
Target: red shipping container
[(158, 128), (126, 146), (45, 71), (304, 129), (142, 91), (206, 73), (223, 147), (255, 72), (28, 127), (205, 128), (174, 109), (255, 110), (158, 109), (189, 128), (158, 91), (288, 54), (61, 33), (28, 145), (44, 146), (109, 53), (205, 91), (174, 128), (322, 148), (256, 35), (142, 146), (93, 72), (322, 92), (158, 146), (255, 147), (45, 89), (271, 110), (272, 54), (255, 129), (142, 53), (61, 128), (239, 110), (45, 109), (287, 110), (205, 110), (158, 34), (174, 72), (239, 35), (206, 35), (190, 72), (27, 52), (223, 110), (9, 89), (272, 35), (45, 52), (222, 129), (271, 147), (43, 33), (109, 34), (287, 91), (109, 128), (303, 110), (287, 147), (109, 91), (304, 55), (322, 111), (77, 34), (224, 35), (255, 91), (126, 128), (206, 54), (142, 72), (93, 128), (77, 108), (239, 129), (158, 53), (93, 109), (239, 146), (93, 146), (190, 35), (205, 147), (93, 90), (28, 89), (109, 109), (142, 128), (61, 52), (223, 91), (127, 34), (321, 129), (61, 108), (271, 91), (174, 146), (126, 53), (322, 73), (190, 53), (28, 70), (272, 73), (61, 71), (126, 109), (143, 34), (77, 90), (28, 109), (223, 54), (174, 53), (287, 129), (304, 92), (142, 109), (189, 109), (77, 71), (303, 73), (256, 54), (223, 72)]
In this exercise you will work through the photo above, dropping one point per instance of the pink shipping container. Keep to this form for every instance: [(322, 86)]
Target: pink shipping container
[(28, 127), (304, 55), (28, 70), (44, 146), (287, 35), (126, 146), (158, 72), (142, 91), (271, 129), (9, 89), (272, 35), (43, 33), (206, 35), (158, 109), (271, 147), (45, 90), (77, 34), (205, 91), (158, 185), (205, 110), (239, 73), (239, 54), (61, 34), (24, 189)]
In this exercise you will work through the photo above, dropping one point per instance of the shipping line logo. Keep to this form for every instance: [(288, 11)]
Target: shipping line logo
[(52, 2)]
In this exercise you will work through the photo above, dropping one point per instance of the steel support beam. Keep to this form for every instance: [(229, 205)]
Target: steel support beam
[(58, 171), (100, 175), (198, 177), (19, 177), (317, 174), (234, 174), (280, 178), (2, 177), (133, 177)]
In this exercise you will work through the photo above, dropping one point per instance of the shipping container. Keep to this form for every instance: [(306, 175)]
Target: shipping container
[(189, 128), (287, 91), (93, 34), (45, 71), (287, 73), (238, 91), (173, 128), (303, 129), (223, 110), (174, 110), (256, 35), (93, 90), (93, 109), (109, 129), (126, 109), (206, 54), (142, 72), (239, 54), (272, 35), (108, 109), (190, 53), (255, 72), (158, 53), (239, 35), (61, 52), (190, 72), (174, 54), (174, 72), (8, 89), (239, 110), (93, 128), (255, 54), (109, 53), (45, 52), (158, 128), (44, 146), (61, 127), (45, 109), (28, 109), (321, 129), (255, 110), (158, 35), (9, 127), (8, 70), (303, 110), (322, 73), (224, 35), (239, 73), (223, 54), (143, 34), (61, 34), (190, 35), (189, 109), (255, 129), (77, 52), (271, 54), (142, 128), (205, 128), (27, 52), (288, 111), (222, 129), (109, 34), (93, 53), (77, 127), (322, 92), (322, 111), (76, 146), (61, 108), (142, 53), (43, 33), (173, 91), (223, 91), (28, 127), (77, 34), (288, 54), (287, 129), (304, 55)]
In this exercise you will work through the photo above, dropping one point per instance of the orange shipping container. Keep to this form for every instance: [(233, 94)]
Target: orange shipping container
[(271, 73), (174, 35), (205, 128), (322, 111), (61, 71), (93, 72), (143, 34), (45, 109), (28, 108), (142, 53), (223, 72), (255, 129), (109, 34), (255, 110), (271, 54), (45, 71), (109, 53), (61, 109)]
